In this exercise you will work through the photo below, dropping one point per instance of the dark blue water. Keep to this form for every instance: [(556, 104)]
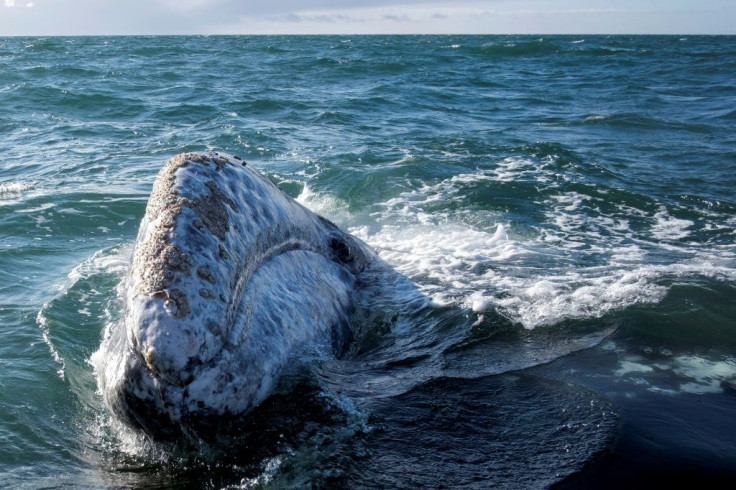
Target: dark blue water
[(565, 205)]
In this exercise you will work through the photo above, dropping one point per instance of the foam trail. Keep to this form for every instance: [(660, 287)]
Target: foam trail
[(582, 263)]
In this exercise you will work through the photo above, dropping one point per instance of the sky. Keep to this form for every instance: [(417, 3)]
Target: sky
[(113, 17)]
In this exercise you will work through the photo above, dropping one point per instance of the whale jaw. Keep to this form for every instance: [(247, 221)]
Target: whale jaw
[(230, 278)]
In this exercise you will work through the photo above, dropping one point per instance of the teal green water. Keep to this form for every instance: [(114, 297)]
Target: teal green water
[(541, 191)]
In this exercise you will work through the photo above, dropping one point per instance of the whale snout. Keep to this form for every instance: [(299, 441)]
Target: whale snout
[(230, 277), (131, 390), (174, 349)]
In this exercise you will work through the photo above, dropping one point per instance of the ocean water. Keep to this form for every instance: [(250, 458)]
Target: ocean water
[(561, 211)]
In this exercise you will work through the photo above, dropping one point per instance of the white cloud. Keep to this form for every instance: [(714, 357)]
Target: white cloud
[(464, 16), (64, 17), (377, 20), (185, 6), (11, 3)]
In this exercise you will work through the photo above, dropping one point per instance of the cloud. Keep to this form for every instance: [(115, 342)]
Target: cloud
[(397, 19), (207, 10), (64, 17), (309, 18), (189, 6)]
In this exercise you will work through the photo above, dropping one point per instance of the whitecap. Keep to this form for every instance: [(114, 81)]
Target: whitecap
[(42, 322), (324, 204), (11, 192), (667, 227), (583, 263)]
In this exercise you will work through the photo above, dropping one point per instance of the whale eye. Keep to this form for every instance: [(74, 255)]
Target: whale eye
[(342, 250)]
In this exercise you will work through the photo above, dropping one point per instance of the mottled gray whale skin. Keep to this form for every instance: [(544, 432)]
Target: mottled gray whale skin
[(229, 277)]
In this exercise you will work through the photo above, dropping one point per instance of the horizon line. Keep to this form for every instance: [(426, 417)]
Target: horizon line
[(261, 34)]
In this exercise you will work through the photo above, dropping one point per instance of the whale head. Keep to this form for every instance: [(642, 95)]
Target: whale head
[(229, 278)]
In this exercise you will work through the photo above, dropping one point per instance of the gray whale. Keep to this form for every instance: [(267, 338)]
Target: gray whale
[(229, 277)]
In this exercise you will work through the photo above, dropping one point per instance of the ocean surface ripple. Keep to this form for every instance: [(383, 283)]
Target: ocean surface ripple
[(561, 210)]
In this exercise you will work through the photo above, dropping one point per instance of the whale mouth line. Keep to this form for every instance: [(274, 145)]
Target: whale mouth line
[(238, 319)]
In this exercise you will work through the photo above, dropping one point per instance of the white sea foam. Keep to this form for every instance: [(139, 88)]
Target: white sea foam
[(108, 261), (509, 170), (535, 301), (581, 263), (12, 188), (668, 228), (326, 205), (630, 366), (706, 375), (12, 191), (479, 269), (684, 373), (42, 322)]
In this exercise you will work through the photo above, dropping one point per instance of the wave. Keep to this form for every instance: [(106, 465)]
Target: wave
[(591, 256), (14, 190), (43, 45), (71, 323), (58, 100), (520, 48), (639, 121)]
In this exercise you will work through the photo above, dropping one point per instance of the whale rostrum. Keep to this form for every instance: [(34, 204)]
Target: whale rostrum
[(229, 277)]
